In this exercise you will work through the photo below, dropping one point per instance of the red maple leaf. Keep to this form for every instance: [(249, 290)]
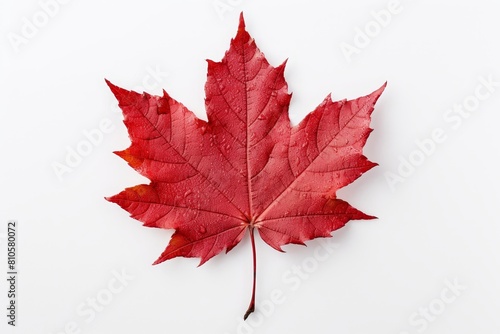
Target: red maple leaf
[(247, 168)]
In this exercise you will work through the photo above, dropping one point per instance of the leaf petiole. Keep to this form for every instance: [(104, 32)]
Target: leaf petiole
[(251, 307)]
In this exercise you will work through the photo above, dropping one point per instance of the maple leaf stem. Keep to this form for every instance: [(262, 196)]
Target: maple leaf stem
[(251, 307)]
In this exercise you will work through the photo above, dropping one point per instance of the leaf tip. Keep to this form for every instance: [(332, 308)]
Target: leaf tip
[(367, 217), (211, 65), (241, 25), (374, 96), (381, 89), (117, 91), (282, 66), (110, 85), (242, 36), (158, 261)]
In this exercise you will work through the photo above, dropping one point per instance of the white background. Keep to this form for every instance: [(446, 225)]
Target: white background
[(437, 225)]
